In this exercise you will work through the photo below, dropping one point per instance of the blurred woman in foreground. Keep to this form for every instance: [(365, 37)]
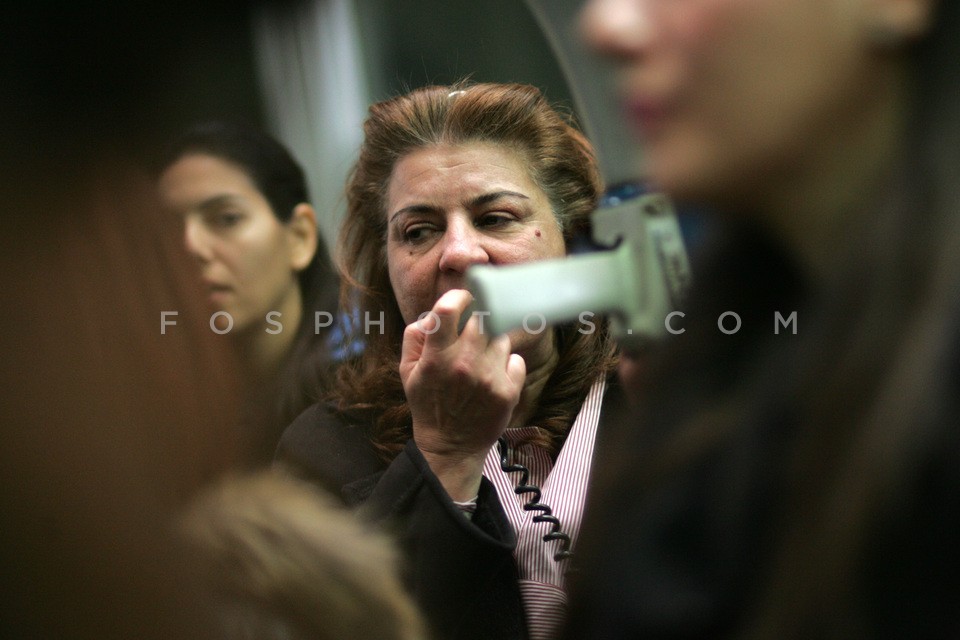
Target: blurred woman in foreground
[(793, 481)]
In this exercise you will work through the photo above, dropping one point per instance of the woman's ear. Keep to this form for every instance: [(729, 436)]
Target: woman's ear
[(893, 23), (302, 236)]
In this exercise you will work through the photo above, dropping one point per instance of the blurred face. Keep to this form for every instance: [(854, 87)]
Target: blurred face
[(450, 207), (245, 252), (730, 96)]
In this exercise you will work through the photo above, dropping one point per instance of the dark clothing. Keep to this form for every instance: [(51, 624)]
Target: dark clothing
[(684, 526), (461, 572)]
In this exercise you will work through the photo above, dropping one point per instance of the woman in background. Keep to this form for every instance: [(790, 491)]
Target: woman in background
[(248, 222), (792, 481)]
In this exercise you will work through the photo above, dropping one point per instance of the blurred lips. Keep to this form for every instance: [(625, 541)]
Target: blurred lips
[(217, 291), (648, 115)]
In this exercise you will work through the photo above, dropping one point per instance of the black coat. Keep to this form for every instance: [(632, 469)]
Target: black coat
[(461, 572)]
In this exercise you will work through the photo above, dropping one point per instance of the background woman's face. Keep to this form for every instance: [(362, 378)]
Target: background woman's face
[(450, 207), (731, 96), (243, 250)]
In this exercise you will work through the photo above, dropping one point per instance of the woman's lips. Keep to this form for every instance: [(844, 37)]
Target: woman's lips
[(647, 116), (217, 292)]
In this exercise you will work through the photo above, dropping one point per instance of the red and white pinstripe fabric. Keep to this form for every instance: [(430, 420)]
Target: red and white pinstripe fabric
[(564, 487)]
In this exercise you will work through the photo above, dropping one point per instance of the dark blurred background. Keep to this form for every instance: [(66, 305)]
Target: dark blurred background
[(107, 427), (85, 74)]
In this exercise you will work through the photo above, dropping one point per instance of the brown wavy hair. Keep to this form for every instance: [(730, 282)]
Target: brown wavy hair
[(561, 162)]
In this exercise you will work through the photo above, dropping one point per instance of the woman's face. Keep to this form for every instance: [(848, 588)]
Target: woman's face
[(450, 207), (246, 254), (730, 96)]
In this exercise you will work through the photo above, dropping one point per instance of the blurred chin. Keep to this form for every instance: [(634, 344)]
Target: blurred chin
[(678, 165), (670, 170), (230, 319)]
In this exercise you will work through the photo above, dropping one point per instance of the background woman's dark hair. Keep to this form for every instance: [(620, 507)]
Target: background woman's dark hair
[(561, 163), (281, 180)]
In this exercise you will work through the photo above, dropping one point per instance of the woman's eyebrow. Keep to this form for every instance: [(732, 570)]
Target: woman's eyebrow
[(478, 201), (493, 196), (414, 208), (217, 201)]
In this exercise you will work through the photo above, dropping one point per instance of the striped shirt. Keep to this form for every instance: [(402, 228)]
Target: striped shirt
[(564, 487)]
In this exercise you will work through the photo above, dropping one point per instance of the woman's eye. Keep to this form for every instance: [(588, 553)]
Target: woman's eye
[(417, 233), (226, 219), (494, 220)]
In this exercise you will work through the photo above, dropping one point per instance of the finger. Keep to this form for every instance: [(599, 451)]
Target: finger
[(440, 324), (472, 330), (411, 349), (500, 346), (466, 316), (516, 369)]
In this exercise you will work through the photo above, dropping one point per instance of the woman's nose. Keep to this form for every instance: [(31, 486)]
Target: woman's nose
[(463, 246), (195, 239), (616, 28)]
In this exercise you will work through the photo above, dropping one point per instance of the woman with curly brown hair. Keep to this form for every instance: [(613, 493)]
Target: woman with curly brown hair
[(450, 177)]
